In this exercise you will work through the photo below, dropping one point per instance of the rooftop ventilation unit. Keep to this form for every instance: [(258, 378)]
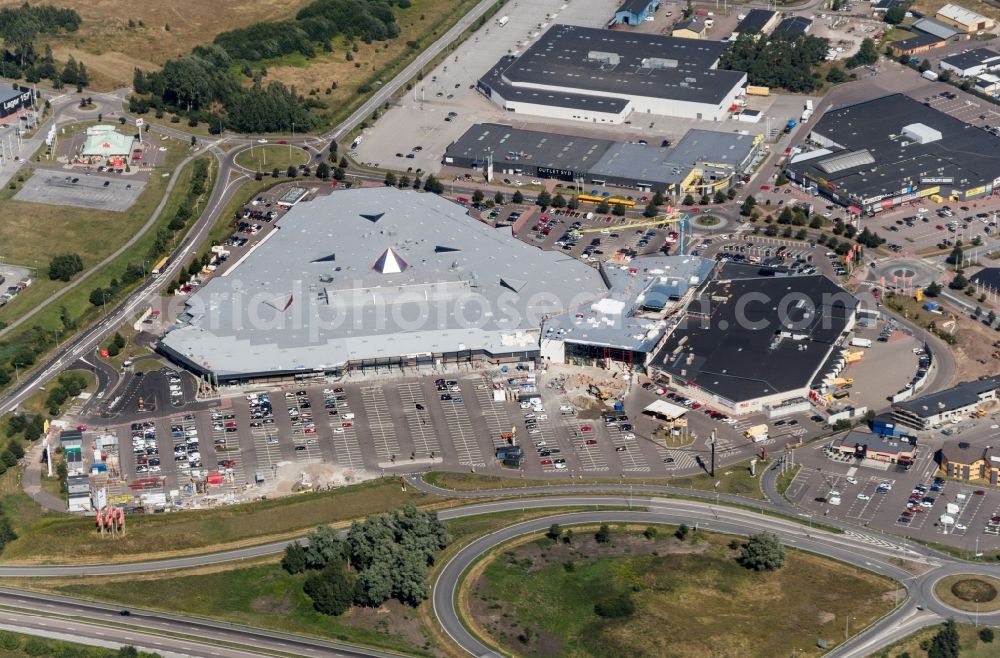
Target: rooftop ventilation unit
[(658, 63), (605, 59), (921, 133)]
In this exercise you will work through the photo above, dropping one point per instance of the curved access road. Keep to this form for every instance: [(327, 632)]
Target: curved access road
[(919, 609)]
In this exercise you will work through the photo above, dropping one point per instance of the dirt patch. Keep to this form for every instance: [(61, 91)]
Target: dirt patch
[(974, 590), (392, 617), (273, 605), (825, 617)]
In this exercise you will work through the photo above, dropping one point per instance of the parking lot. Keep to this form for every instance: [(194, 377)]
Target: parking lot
[(916, 503), (81, 190)]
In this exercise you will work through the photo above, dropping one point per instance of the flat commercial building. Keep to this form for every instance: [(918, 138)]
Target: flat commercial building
[(633, 12), (759, 21), (605, 76), (14, 103), (921, 43), (701, 162), (959, 401), (877, 154), (865, 445), (645, 300), (374, 278), (750, 343), (971, 462), (794, 25), (969, 63), (964, 19)]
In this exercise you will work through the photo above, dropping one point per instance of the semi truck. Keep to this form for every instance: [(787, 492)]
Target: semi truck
[(757, 433), (861, 342), (753, 90)]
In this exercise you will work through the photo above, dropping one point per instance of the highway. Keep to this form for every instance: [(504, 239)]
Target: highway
[(878, 554)]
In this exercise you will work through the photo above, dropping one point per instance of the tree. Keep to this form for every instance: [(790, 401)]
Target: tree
[(925, 65), (119, 340), (895, 15), (498, 198), (477, 197), (390, 179), (543, 199), (558, 201), (836, 75), (433, 185), (618, 210), (959, 282), (658, 198), (332, 589), (720, 197), (324, 548), (322, 171), (866, 56), (603, 534), (748, 205), (554, 532), (518, 197), (986, 634), (404, 182), (603, 208), (956, 256), (944, 76), (933, 289), (945, 644), (688, 200), (682, 532), (816, 222), (63, 266), (294, 560), (991, 317), (763, 552), (651, 210)]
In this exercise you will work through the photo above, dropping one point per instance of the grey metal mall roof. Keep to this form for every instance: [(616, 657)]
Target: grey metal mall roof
[(376, 273)]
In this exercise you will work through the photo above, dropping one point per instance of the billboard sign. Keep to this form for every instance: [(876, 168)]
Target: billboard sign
[(15, 103)]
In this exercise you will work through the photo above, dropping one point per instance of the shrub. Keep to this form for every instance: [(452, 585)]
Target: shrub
[(615, 607)]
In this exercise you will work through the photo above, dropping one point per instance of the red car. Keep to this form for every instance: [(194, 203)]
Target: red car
[(347, 426), (81, 428), (590, 442), (696, 405), (765, 187), (545, 462), (696, 209), (939, 227), (586, 428), (979, 492)]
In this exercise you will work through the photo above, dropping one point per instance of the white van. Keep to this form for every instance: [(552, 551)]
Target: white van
[(348, 416)]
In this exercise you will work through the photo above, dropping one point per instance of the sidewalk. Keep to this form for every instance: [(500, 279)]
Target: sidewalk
[(31, 481)]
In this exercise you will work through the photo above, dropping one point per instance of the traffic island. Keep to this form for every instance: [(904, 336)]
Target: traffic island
[(968, 592)]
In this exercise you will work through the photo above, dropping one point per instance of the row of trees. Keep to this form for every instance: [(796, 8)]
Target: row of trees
[(386, 556), (67, 386), (780, 60), (205, 86), (20, 27)]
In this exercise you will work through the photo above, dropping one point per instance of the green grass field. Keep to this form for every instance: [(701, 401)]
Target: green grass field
[(19, 645), (267, 157), (265, 596), (57, 537), (692, 599)]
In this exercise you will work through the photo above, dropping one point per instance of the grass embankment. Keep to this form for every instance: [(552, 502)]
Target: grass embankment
[(19, 645), (266, 596), (785, 479), (47, 327), (34, 232), (970, 646), (691, 599), (267, 157), (735, 479), (970, 593), (59, 538)]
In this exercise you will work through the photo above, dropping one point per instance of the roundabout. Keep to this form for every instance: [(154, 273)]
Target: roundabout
[(969, 592), (266, 157)]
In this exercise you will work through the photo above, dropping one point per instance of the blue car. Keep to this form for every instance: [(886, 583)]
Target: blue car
[(457, 400)]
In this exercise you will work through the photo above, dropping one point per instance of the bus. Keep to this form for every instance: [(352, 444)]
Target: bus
[(162, 263), (610, 200)]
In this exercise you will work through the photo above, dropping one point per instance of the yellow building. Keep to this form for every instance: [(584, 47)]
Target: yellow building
[(689, 28), (964, 461), (964, 19)]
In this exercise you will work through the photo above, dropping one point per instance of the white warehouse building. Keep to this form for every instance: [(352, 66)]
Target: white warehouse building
[(605, 76)]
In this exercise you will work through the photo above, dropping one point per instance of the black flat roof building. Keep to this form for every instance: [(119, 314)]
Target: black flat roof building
[(641, 72), (750, 341), (882, 152), (794, 25), (756, 20), (932, 409)]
